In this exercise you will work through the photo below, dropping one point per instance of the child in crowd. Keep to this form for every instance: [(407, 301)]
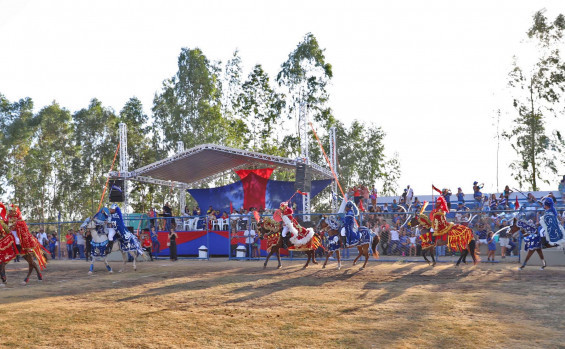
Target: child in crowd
[(412, 251), (491, 246)]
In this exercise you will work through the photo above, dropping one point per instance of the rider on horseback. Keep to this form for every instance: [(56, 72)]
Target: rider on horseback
[(348, 233), (440, 225), (115, 222)]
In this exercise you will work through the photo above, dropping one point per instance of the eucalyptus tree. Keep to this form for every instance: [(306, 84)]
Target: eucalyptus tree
[(188, 108), (305, 76), (538, 93)]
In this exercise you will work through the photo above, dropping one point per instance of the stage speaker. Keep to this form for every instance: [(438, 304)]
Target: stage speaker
[(116, 190), (303, 177)]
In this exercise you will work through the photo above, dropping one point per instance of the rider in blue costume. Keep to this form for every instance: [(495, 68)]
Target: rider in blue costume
[(348, 232), (115, 222), (553, 230)]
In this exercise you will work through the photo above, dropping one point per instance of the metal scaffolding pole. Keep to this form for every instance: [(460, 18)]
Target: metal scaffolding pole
[(333, 164), (123, 169), (304, 154), (182, 189)]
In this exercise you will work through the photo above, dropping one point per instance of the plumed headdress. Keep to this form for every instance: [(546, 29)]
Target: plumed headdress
[(549, 203), (442, 204)]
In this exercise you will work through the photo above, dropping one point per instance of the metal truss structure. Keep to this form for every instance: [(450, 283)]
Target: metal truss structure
[(203, 164), (333, 163), (304, 154)]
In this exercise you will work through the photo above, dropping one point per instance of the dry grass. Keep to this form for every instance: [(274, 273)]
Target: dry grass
[(224, 304)]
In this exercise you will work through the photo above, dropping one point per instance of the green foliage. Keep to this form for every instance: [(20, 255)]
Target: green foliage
[(57, 161), (538, 93)]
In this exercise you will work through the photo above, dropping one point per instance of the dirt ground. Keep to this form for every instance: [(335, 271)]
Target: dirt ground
[(238, 304)]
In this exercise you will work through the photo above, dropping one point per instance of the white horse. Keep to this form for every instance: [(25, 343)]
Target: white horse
[(98, 245), (129, 245)]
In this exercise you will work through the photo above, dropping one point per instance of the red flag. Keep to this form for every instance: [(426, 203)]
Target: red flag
[(301, 192), (361, 208), (231, 208), (517, 205), (256, 215), (436, 189)]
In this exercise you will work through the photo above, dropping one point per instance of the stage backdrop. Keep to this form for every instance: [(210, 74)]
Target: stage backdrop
[(255, 189)]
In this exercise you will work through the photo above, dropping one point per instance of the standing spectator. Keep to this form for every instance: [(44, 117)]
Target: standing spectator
[(412, 251), (394, 245), (503, 241), (70, 239), (173, 245), (460, 196), (42, 238), (152, 217), (417, 205), (403, 197), (440, 251), (365, 194), (477, 195), (385, 237), (168, 214), (404, 241), (446, 193), (53, 246), (374, 196), (409, 195), (491, 246), (155, 242), (255, 247), (394, 206), (507, 193), (147, 245), (481, 234), (88, 244), (562, 188), (80, 243), (357, 195)]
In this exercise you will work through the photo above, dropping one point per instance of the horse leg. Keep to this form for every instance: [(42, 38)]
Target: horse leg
[(473, 251), (366, 254), (31, 266), (432, 254), (107, 265), (462, 257), (279, 258), (530, 253), (134, 260), (338, 254), (309, 254), (268, 256), (314, 261), (3, 274), (358, 255), (328, 255), (91, 266), (124, 260), (543, 264), (424, 253)]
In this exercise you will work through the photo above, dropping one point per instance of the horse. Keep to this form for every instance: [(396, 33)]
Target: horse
[(335, 243), (129, 245), (270, 231), (98, 244), (459, 238), (532, 239), (9, 251)]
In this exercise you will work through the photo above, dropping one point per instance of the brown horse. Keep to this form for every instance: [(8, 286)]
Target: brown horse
[(270, 231), (459, 238), (335, 246), (8, 242)]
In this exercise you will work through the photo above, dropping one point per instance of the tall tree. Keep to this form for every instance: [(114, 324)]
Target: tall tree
[(538, 93), (305, 75), (260, 106), (188, 107)]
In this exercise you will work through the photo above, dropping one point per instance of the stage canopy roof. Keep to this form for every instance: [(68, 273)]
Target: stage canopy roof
[(206, 162)]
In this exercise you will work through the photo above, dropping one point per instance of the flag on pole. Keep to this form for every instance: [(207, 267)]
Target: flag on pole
[(517, 205), (436, 189), (301, 192), (361, 208)]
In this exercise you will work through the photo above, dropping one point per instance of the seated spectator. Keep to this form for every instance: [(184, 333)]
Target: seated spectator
[(385, 208), (404, 242), (385, 237), (394, 206), (417, 205), (481, 234), (147, 245)]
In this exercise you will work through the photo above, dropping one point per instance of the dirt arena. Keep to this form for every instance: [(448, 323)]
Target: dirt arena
[(238, 304)]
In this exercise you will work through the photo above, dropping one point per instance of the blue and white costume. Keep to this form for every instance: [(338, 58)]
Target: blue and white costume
[(532, 241), (348, 229), (553, 230)]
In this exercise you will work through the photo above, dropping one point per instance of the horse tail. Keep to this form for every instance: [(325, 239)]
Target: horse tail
[(376, 240)]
